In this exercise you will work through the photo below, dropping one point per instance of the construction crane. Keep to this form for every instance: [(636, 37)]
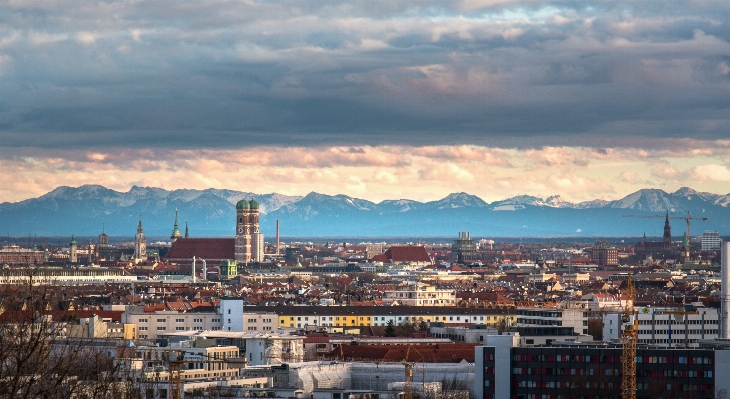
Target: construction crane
[(628, 344), (687, 219)]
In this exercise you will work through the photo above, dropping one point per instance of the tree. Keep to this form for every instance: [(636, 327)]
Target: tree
[(390, 329), (406, 328), (502, 325), (39, 361)]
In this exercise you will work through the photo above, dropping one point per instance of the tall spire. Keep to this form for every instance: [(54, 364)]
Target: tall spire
[(176, 229), (139, 226), (186, 230), (667, 233)]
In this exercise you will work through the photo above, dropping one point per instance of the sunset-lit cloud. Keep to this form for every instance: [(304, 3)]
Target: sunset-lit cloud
[(374, 173)]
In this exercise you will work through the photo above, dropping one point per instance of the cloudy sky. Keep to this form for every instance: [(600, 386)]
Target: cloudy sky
[(379, 100)]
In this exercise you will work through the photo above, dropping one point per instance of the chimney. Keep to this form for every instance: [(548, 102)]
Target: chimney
[(725, 290)]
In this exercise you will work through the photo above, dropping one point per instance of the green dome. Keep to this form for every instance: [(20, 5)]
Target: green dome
[(243, 204), (73, 241), (254, 204)]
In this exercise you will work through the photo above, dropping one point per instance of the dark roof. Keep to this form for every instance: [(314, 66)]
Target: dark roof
[(205, 248)]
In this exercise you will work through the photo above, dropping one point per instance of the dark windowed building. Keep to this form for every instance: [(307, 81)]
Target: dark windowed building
[(594, 371)]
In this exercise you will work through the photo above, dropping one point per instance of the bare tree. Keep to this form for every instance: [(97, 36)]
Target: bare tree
[(39, 361)]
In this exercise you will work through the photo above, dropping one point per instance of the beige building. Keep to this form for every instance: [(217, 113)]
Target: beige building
[(420, 294), (152, 324)]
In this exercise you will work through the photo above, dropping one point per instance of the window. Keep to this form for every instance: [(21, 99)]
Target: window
[(229, 311), (143, 320), (161, 328), (179, 328), (143, 329), (179, 320), (161, 320)]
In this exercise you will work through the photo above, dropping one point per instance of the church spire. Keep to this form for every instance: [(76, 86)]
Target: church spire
[(175, 229), (667, 233), (186, 230), (139, 226)]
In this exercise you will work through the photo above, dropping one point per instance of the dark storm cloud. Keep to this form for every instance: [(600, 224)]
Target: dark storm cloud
[(222, 74)]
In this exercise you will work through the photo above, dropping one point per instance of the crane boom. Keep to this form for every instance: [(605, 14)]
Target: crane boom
[(687, 219)]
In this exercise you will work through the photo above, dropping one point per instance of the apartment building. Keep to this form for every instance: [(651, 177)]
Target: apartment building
[(198, 363), (420, 294), (575, 317), (353, 318), (151, 324), (667, 326)]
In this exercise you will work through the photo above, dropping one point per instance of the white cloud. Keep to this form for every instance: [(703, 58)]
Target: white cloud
[(711, 172)]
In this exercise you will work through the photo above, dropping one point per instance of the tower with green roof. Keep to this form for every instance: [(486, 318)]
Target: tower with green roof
[(73, 252), (175, 229)]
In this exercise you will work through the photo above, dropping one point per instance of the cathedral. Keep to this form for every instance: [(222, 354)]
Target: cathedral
[(247, 246)]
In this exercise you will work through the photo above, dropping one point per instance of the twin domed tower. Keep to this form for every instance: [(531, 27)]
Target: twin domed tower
[(249, 240)]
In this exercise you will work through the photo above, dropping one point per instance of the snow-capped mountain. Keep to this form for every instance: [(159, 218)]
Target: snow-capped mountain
[(83, 210)]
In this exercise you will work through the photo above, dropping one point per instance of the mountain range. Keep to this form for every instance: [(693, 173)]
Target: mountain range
[(211, 213)]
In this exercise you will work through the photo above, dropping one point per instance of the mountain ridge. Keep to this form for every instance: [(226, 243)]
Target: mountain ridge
[(82, 210)]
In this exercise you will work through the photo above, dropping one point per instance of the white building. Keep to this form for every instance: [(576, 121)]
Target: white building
[(554, 316), (232, 313), (152, 324), (420, 294), (663, 327), (711, 241)]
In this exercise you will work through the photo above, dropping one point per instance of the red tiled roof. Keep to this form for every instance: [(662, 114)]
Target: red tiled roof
[(317, 339), (205, 248), (404, 253)]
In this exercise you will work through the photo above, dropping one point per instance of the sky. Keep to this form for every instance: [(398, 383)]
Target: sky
[(373, 99)]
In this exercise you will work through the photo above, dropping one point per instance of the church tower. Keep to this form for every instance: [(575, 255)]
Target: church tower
[(667, 234), (249, 245), (175, 230), (140, 244), (73, 252)]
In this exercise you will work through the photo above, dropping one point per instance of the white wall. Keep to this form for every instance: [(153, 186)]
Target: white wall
[(232, 314)]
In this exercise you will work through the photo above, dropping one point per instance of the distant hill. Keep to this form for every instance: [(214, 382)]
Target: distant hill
[(83, 210)]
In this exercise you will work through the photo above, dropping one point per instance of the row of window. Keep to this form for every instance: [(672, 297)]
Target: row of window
[(180, 320), (682, 331), (566, 358), (666, 322), (564, 371)]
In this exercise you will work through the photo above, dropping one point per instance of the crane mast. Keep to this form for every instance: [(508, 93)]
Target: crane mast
[(628, 345)]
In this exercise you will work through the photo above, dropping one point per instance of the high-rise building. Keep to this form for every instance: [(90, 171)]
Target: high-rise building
[(603, 254), (711, 241), (464, 249), (140, 244)]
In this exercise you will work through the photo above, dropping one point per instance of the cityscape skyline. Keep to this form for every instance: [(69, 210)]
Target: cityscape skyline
[(374, 100)]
